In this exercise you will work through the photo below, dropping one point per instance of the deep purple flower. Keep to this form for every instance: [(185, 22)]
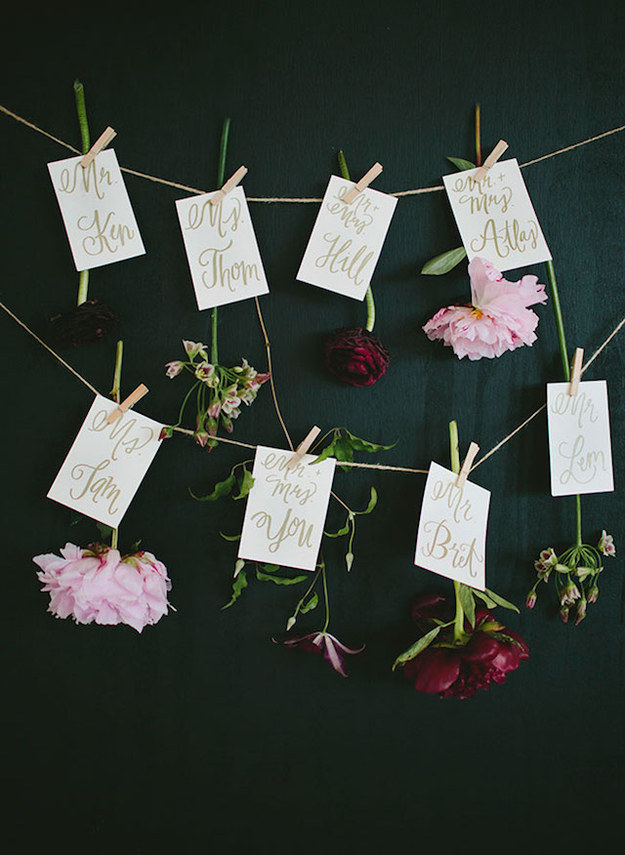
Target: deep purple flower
[(325, 645), (490, 652), (356, 356), (83, 324)]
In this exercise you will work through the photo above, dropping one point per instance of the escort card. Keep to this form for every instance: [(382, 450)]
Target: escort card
[(346, 240), (580, 453), (286, 509), (451, 540), (106, 463), (96, 210), (495, 216), (221, 249)]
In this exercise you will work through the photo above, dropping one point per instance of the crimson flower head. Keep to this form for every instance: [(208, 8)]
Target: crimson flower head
[(458, 671), (356, 356), (325, 645)]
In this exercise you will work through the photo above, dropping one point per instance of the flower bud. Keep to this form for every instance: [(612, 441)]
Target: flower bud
[(166, 432), (201, 437), (581, 612), (562, 568), (530, 602), (564, 614), (173, 368), (593, 594)]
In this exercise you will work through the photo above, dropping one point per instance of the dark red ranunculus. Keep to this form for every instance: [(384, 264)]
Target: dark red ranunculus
[(83, 324), (490, 652), (356, 356)]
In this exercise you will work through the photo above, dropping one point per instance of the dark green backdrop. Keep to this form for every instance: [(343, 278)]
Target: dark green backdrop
[(201, 735)]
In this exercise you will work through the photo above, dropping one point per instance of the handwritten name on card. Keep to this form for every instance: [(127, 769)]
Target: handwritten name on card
[(346, 240), (99, 220), (580, 452), (286, 509), (451, 540), (106, 463), (495, 216), (221, 249)]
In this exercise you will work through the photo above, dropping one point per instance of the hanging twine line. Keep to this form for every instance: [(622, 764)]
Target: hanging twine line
[(354, 465), (297, 199)]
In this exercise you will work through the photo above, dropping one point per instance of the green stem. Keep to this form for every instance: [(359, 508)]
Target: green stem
[(454, 454), (325, 594), (81, 109), (116, 395), (557, 310), (117, 374), (478, 136), (370, 302), (221, 172)]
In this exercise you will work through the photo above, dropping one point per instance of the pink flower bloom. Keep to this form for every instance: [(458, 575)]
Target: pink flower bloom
[(206, 372), (174, 368), (193, 348), (325, 645), (97, 584), (606, 544), (497, 319), (230, 405)]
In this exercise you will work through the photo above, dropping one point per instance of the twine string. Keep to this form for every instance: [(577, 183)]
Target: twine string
[(354, 464), (301, 200)]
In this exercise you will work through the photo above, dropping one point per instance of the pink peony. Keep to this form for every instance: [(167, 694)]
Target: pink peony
[(97, 584), (496, 320)]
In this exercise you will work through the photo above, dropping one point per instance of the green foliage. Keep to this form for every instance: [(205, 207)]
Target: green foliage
[(460, 163), (343, 445), (240, 582), (276, 579), (419, 645), (312, 603), (467, 602), (492, 599), (443, 263), (245, 482)]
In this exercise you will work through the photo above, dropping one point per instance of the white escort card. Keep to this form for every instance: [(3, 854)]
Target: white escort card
[(495, 216), (286, 509), (451, 540), (99, 220), (580, 452), (221, 249), (106, 463), (346, 240)]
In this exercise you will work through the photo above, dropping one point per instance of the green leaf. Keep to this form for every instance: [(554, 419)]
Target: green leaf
[(468, 603), (490, 604), (341, 532), (372, 502), (246, 485), (461, 163), (105, 531), (222, 488), (279, 580), (328, 451), (312, 603), (359, 444), (501, 602), (135, 546), (444, 263), (230, 537), (343, 449), (237, 588), (270, 568), (417, 647)]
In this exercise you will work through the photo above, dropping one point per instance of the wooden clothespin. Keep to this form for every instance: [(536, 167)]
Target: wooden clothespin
[(120, 409), (230, 184), (576, 371), (303, 447), (466, 466), (102, 141), (492, 158), (364, 182)]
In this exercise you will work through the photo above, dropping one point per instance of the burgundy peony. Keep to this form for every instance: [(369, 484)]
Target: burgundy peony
[(356, 356), (490, 652), (83, 324)]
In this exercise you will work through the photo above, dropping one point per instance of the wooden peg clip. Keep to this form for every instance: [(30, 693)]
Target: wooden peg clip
[(576, 371), (491, 160), (466, 466), (364, 182), (230, 184), (102, 141), (120, 409), (303, 447)]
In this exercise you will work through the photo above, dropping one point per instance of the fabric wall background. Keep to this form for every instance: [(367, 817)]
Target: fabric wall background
[(202, 735)]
